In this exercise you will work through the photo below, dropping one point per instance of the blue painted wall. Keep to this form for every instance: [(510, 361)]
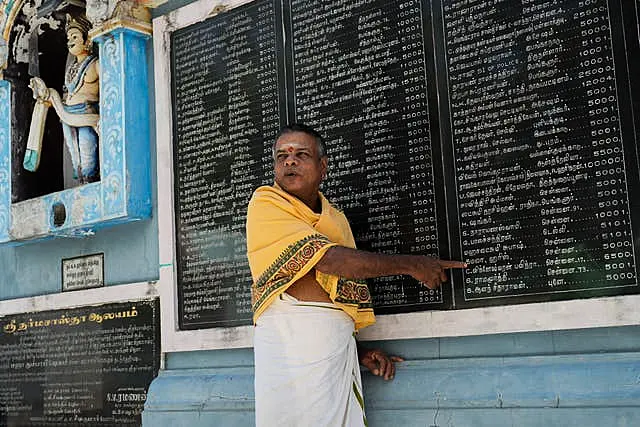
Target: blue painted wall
[(130, 250), (34, 269), (576, 378), (562, 378)]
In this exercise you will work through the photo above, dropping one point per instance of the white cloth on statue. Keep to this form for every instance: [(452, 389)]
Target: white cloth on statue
[(306, 366)]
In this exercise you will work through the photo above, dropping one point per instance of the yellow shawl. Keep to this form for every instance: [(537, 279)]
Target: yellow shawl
[(285, 240)]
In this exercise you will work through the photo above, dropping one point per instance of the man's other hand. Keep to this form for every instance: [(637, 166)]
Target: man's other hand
[(379, 363)]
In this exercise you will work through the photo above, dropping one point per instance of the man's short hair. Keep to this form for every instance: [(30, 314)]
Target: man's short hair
[(299, 127)]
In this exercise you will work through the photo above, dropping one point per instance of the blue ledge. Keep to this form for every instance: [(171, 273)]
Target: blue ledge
[(515, 382), (206, 390), (567, 390), (512, 417)]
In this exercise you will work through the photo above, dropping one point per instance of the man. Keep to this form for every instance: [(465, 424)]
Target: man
[(309, 293)]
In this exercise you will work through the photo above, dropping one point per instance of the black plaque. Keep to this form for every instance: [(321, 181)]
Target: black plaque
[(79, 367), (501, 133), (542, 183), (361, 75), (226, 98)]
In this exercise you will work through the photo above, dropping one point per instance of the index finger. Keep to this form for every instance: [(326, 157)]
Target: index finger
[(452, 264), (383, 363)]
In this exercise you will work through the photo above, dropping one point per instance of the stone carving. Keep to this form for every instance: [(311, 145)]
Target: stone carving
[(101, 11), (77, 109)]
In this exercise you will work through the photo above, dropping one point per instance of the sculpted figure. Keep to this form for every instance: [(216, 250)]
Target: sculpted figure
[(77, 109)]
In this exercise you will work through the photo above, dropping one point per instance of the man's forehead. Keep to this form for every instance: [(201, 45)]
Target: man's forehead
[(295, 141), (291, 145)]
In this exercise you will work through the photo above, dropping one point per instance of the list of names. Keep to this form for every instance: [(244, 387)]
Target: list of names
[(542, 190), (226, 105), (360, 77)]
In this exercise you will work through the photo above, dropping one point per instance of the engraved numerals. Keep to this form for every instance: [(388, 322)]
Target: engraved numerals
[(539, 159), (360, 77)]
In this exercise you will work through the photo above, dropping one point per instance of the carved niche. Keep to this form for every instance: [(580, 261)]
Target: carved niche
[(49, 195)]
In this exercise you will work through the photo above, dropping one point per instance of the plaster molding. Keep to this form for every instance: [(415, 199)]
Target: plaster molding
[(5, 159), (9, 10), (83, 298), (107, 15)]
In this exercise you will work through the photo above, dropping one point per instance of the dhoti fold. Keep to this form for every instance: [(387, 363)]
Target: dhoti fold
[(307, 371)]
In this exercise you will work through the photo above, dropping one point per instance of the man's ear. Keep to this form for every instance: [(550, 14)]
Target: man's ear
[(324, 163)]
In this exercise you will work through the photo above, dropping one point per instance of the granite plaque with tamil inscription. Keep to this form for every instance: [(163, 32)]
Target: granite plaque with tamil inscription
[(500, 133), (226, 104), (362, 77), (538, 133), (78, 367)]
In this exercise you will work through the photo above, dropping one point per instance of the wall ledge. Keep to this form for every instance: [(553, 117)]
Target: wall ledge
[(557, 381)]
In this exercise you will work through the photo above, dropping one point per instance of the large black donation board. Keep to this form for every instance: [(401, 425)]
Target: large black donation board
[(87, 366), (501, 133)]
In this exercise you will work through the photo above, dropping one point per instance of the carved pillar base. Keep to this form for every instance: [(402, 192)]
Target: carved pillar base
[(124, 121)]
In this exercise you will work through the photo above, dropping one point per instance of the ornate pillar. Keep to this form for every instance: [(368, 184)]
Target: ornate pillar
[(5, 159), (123, 42)]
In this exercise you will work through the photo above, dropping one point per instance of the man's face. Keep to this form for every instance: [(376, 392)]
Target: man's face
[(298, 167)]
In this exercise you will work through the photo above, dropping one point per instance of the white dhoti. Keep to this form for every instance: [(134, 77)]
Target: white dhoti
[(306, 366)]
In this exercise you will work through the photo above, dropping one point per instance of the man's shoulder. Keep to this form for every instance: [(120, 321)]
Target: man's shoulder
[(335, 209), (266, 192), (268, 195)]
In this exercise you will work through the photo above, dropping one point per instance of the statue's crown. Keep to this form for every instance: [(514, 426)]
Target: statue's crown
[(78, 22)]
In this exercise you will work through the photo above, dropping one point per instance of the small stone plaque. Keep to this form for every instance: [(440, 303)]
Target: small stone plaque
[(83, 272)]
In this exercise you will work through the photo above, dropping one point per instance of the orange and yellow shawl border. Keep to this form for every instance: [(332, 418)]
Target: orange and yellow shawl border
[(286, 239)]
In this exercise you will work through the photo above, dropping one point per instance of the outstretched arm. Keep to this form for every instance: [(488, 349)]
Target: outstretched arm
[(357, 264)]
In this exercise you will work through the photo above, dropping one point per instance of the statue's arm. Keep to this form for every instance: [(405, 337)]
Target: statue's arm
[(50, 95), (95, 70)]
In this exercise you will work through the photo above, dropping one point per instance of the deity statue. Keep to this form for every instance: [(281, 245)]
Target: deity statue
[(78, 109)]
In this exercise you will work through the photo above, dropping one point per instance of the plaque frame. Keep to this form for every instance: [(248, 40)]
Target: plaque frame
[(65, 287), (532, 317), (85, 297), (172, 338)]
